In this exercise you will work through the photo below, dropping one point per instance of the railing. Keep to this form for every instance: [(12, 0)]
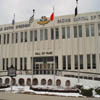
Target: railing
[(65, 73)]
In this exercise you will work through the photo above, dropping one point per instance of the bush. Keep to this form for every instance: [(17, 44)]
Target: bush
[(87, 92), (97, 91), (79, 86)]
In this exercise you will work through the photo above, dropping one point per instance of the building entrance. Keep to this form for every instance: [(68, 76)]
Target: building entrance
[(45, 65)]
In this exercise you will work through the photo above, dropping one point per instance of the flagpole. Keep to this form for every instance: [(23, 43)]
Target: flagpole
[(13, 39), (12, 59), (32, 18), (76, 13), (54, 49)]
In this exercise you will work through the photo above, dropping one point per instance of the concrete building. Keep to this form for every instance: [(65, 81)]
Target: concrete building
[(69, 45)]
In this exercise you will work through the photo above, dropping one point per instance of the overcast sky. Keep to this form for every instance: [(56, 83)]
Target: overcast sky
[(23, 8)]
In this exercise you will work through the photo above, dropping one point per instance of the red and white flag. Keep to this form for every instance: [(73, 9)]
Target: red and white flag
[(52, 17)]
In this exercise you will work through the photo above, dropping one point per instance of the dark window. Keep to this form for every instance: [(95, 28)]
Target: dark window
[(56, 62), (80, 30), (41, 34), (25, 36), (99, 29), (75, 31), (6, 63), (81, 61), (68, 32), (4, 38), (31, 35), (46, 34), (3, 63), (92, 30), (35, 35), (63, 33), (16, 37), (0, 39), (21, 37), (16, 63), (25, 63), (87, 30), (88, 61), (76, 61), (94, 61), (7, 38), (12, 37), (57, 33), (52, 34), (69, 62), (21, 63), (64, 62)]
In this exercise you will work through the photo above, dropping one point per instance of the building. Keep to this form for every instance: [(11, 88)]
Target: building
[(58, 47)]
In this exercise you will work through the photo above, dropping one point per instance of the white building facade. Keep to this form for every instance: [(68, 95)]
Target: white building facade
[(68, 45)]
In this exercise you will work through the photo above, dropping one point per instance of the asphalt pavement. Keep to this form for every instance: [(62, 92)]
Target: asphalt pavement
[(13, 96)]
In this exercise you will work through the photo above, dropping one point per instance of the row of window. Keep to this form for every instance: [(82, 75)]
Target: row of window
[(91, 62), (66, 33), (66, 62), (14, 62)]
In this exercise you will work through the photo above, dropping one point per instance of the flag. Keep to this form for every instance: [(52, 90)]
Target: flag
[(13, 21), (52, 16), (31, 19), (76, 12)]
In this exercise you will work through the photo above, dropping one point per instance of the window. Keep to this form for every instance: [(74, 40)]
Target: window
[(87, 30), (11, 61), (81, 61), (46, 34), (25, 36), (57, 33), (99, 29), (75, 31), (76, 61), (21, 36), (7, 38), (25, 63), (56, 62), (69, 62), (35, 35), (16, 63), (6, 63), (64, 62), (94, 61), (41, 34), (31, 35), (4, 38), (68, 32), (0, 39), (80, 30), (12, 37), (3, 63), (88, 61), (16, 37), (52, 34), (92, 30), (21, 63), (63, 33), (99, 16)]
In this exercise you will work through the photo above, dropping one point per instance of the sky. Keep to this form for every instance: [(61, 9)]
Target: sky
[(23, 8)]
